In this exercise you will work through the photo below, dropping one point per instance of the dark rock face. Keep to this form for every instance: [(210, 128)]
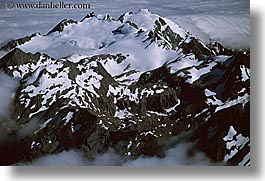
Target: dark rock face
[(228, 84), (194, 46), (80, 104), (162, 32), (18, 57), (89, 15), (14, 43), (60, 27)]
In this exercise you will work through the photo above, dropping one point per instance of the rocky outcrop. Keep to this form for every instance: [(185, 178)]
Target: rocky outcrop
[(60, 27), (14, 43)]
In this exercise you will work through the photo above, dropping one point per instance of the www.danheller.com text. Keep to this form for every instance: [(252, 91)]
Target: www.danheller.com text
[(47, 5)]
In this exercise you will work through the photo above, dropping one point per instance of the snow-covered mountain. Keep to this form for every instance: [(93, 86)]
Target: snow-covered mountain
[(131, 84)]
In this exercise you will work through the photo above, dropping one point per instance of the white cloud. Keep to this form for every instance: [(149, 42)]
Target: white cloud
[(184, 153), (8, 86), (75, 158)]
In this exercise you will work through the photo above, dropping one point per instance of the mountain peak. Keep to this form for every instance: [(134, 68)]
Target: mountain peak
[(105, 17), (60, 27), (145, 11), (17, 57), (131, 84), (89, 15)]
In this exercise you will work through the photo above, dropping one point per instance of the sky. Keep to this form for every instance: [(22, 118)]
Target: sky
[(226, 21)]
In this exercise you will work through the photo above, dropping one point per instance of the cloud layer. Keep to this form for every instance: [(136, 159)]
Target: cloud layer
[(8, 86), (183, 153)]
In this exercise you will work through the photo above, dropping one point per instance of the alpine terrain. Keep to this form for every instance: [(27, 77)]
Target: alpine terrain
[(130, 84)]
